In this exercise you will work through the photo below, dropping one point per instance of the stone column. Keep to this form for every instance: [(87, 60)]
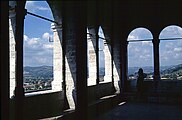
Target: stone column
[(12, 55), (81, 60), (75, 50), (4, 61), (57, 58), (92, 64), (108, 63), (124, 63), (70, 69), (116, 65), (19, 90), (156, 77)]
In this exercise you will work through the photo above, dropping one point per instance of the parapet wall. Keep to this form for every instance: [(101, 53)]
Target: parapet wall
[(51, 104), (168, 91)]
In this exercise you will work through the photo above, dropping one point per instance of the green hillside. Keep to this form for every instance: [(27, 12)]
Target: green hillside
[(41, 72)]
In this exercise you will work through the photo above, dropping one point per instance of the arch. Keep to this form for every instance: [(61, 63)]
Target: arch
[(140, 52), (39, 38), (31, 38), (170, 52), (143, 33), (171, 31), (49, 51)]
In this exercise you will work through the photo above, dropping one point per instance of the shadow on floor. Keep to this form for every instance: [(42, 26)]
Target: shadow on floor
[(143, 111)]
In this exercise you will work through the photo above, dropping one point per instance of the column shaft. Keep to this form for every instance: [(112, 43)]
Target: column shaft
[(57, 58), (12, 55), (74, 35), (19, 90), (116, 65), (156, 61), (124, 64), (4, 61)]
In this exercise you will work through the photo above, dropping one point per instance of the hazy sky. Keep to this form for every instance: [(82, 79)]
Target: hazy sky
[(37, 48), (141, 53), (39, 51)]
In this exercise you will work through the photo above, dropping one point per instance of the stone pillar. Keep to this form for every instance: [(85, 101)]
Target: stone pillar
[(75, 50), (124, 63), (116, 65), (4, 61), (12, 55), (156, 77), (92, 64), (81, 60), (57, 58), (69, 40), (70, 69), (19, 90), (108, 63)]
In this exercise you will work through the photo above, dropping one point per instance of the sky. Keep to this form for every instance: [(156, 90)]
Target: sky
[(37, 32), (140, 54), (39, 51)]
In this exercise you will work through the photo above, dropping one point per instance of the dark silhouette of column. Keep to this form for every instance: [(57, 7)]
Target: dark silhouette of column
[(75, 37), (124, 64), (116, 64), (97, 55), (156, 76), (4, 61), (19, 90)]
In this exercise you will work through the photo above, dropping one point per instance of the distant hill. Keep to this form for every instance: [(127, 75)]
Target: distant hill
[(134, 70), (44, 72), (47, 71), (164, 69), (176, 69), (40, 71)]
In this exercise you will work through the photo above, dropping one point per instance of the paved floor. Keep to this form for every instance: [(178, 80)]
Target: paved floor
[(143, 111)]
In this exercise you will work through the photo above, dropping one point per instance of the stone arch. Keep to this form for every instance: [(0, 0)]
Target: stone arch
[(139, 41), (137, 30), (170, 28), (170, 51), (57, 30)]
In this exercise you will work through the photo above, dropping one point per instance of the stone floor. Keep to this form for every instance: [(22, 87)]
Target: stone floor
[(143, 111)]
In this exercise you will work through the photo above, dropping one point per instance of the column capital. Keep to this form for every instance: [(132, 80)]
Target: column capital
[(56, 27), (12, 13)]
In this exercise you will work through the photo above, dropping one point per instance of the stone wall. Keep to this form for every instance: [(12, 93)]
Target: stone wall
[(41, 105), (168, 91), (51, 104)]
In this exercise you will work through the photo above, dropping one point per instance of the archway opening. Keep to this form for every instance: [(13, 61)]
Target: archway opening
[(171, 53), (38, 48), (140, 54)]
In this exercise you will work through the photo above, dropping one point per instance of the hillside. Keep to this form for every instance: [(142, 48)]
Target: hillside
[(176, 69), (41, 71), (47, 71)]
